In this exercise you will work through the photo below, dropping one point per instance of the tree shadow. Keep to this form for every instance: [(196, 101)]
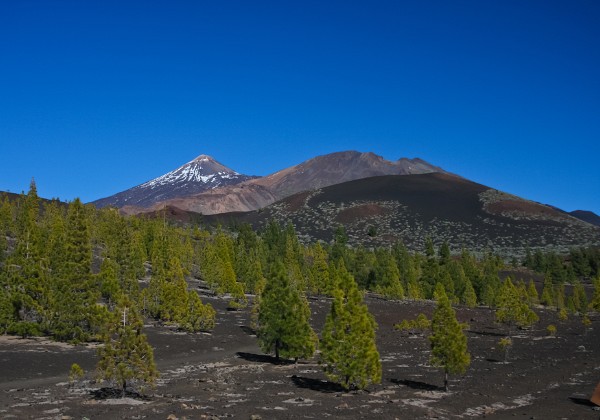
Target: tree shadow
[(491, 360), (317, 384), (263, 358), (248, 330), (581, 400), (108, 393), (487, 333), (421, 386)]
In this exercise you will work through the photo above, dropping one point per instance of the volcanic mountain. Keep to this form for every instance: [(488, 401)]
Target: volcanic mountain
[(587, 216), (201, 174), (378, 211), (319, 172)]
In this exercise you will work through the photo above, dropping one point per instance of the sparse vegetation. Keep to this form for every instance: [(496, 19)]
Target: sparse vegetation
[(75, 373)]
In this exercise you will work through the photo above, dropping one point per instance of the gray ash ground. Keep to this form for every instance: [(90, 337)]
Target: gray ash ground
[(225, 375)]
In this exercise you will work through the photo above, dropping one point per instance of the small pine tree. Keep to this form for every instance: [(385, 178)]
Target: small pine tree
[(505, 344), (595, 302), (238, 298), (563, 315), (349, 354), (126, 355), (586, 321), (547, 298), (420, 324), (75, 374), (199, 317), (513, 307), (448, 340), (469, 297), (283, 318), (532, 292)]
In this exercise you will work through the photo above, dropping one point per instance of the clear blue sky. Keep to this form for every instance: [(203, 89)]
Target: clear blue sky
[(99, 96)]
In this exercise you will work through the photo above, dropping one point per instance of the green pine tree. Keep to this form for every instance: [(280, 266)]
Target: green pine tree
[(469, 297), (595, 302), (126, 355), (349, 354), (547, 298), (513, 307), (387, 276), (448, 340), (580, 300), (74, 310), (532, 293), (283, 316), (199, 317)]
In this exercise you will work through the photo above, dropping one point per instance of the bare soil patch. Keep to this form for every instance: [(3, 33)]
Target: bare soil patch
[(225, 375), (359, 212)]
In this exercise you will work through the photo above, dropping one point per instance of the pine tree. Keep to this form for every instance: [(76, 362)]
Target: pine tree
[(199, 317), (448, 340), (387, 276), (74, 296), (444, 253), (7, 310), (547, 298), (320, 271), (559, 295), (469, 297), (580, 301), (349, 354), (126, 355), (513, 307), (595, 302), (27, 268), (108, 282), (283, 318), (532, 293)]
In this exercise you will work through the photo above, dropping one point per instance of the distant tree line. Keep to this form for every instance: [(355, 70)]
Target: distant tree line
[(579, 263)]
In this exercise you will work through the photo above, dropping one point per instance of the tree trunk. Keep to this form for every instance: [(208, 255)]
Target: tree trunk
[(124, 386), (446, 380), (277, 351)]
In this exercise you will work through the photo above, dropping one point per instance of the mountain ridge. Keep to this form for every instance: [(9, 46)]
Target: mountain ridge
[(317, 172)]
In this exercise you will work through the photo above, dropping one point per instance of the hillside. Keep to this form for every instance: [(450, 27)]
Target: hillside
[(382, 210)]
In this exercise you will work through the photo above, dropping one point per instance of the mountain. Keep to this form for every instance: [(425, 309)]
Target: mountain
[(378, 211), (587, 216), (318, 172), (201, 174)]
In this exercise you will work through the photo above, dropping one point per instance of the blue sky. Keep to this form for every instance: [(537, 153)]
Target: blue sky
[(99, 96)]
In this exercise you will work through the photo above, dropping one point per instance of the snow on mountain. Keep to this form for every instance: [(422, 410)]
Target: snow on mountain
[(201, 174)]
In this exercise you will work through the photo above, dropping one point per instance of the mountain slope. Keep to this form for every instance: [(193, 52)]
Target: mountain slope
[(201, 174), (379, 211), (586, 216), (318, 172)]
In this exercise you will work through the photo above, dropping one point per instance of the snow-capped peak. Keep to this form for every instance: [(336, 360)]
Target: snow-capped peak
[(204, 169), (203, 158), (201, 174)]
